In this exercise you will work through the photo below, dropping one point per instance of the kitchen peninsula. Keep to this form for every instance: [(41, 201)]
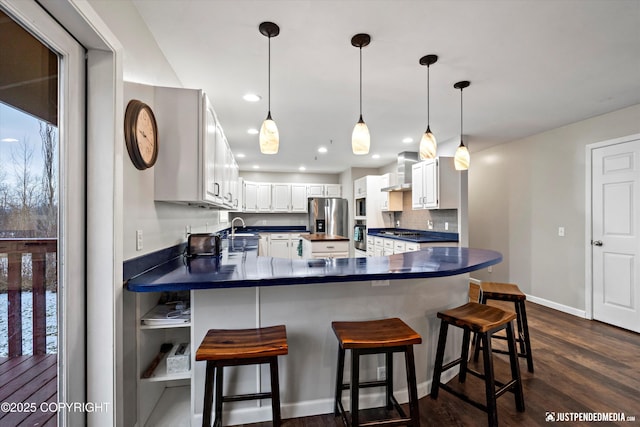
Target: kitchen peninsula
[(244, 290)]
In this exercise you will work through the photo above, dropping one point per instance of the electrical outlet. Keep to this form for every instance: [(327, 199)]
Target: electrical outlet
[(382, 373), (561, 231), (490, 269), (430, 224), (138, 240), (446, 225)]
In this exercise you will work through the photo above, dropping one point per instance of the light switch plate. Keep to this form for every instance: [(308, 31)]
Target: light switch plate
[(138, 240), (561, 231)]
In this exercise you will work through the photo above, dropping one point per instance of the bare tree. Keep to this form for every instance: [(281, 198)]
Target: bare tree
[(49, 218), (25, 194)]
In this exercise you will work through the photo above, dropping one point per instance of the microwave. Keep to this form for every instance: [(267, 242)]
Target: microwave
[(361, 207)]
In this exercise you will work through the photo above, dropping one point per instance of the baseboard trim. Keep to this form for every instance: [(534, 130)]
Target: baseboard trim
[(556, 306)]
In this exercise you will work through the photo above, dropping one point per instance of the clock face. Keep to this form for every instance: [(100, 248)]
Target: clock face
[(146, 135), (141, 134)]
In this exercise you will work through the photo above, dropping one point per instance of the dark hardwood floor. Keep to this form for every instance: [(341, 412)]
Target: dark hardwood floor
[(580, 366)]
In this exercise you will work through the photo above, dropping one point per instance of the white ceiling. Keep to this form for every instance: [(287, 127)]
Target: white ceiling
[(534, 65)]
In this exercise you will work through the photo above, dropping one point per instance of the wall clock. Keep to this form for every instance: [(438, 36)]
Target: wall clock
[(141, 134)]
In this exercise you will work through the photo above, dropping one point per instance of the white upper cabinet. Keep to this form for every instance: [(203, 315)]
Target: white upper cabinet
[(250, 197), (436, 184), (193, 152), (360, 187), (324, 190), (281, 197), (263, 198), (299, 198), (389, 201)]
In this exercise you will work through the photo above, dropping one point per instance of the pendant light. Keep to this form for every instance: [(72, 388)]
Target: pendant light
[(360, 138), (461, 159), (428, 144), (269, 137)]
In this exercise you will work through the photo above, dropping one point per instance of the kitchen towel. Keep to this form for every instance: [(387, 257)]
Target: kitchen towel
[(299, 247), (357, 234)]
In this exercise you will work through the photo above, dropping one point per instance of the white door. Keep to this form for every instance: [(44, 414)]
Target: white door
[(615, 238)]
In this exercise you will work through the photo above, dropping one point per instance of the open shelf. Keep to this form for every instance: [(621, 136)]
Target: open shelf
[(160, 373)]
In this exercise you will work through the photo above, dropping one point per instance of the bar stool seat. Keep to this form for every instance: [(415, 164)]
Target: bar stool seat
[(385, 336), (236, 347), (483, 320), (510, 293)]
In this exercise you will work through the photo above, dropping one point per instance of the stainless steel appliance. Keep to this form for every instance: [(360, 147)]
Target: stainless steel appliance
[(361, 207), (360, 235), (329, 216)]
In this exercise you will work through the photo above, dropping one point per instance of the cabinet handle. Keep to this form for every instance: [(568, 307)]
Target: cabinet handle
[(217, 187), (330, 247)]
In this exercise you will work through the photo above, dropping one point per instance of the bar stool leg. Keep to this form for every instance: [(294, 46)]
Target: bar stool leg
[(464, 355), (355, 386), (219, 381), (339, 380), (275, 392), (515, 369), (414, 408), (208, 395), (522, 314), (489, 380), (437, 371), (389, 378)]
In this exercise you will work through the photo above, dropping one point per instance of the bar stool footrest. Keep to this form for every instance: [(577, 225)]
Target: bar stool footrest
[(463, 397), (250, 396)]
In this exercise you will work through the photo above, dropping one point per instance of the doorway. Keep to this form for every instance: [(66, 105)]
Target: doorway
[(613, 255), (42, 237)]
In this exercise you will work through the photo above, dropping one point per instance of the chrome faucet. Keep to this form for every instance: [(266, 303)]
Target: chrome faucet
[(233, 229)]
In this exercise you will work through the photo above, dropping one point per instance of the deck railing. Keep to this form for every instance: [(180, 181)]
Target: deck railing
[(38, 249)]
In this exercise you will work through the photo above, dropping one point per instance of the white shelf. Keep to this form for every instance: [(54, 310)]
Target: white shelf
[(173, 409), (160, 373), (170, 326)]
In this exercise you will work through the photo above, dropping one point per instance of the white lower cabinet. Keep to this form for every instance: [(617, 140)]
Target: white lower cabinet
[(381, 246), (281, 245), (325, 249)]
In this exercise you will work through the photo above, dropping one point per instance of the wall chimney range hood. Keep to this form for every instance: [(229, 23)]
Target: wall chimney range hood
[(406, 160)]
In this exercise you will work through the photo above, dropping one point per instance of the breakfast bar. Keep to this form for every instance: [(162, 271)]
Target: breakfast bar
[(243, 290)]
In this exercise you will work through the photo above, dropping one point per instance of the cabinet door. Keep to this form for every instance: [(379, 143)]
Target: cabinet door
[(279, 248), (250, 197), (264, 198), (430, 189), (333, 190), (281, 197), (360, 187), (219, 168), (384, 196), (236, 186), (293, 246), (315, 190), (417, 186), (298, 198), (210, 136)]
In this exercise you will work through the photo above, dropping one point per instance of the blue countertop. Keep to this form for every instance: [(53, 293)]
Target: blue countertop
[(417, 236), (240, 266)]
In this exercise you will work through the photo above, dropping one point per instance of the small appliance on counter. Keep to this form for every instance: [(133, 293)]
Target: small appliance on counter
[(204, 244)]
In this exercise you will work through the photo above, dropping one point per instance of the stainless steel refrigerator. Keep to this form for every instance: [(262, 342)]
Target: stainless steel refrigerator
[(329, 216)]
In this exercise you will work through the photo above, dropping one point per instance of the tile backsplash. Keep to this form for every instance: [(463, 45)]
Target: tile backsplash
[(419, 219)]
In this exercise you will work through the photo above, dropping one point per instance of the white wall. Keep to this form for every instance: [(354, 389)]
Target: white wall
[(521, 192), (162, 224)]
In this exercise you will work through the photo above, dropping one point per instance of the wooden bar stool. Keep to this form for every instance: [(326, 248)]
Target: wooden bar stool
[(236, 347), (485, 321), (511, 293), (386, 336)]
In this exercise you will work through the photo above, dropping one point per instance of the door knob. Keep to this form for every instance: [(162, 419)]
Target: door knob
[(596, 242)]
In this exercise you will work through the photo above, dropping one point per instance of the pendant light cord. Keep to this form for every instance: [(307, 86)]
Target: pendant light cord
[(461, 142), (360, 82), (269, 77), (428, 96)]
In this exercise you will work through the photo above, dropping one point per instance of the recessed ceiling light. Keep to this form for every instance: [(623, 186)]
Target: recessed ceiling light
[(375, 156), (322, 150), (407, 140), (256, 166), (241, 155), (9, 140), (253, 131), (302, 168), (251, 97)]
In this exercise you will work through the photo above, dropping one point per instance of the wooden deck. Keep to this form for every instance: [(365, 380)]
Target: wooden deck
[(31, 381)]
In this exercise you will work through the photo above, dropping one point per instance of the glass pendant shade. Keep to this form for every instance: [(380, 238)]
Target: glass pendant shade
[(461, 159), (428, 145), (269, 137), (360, 138)]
